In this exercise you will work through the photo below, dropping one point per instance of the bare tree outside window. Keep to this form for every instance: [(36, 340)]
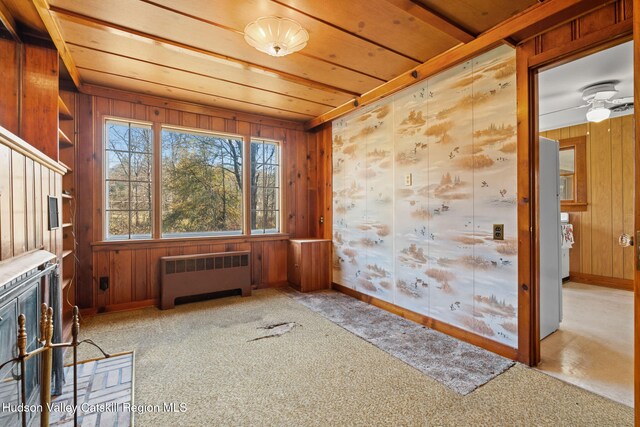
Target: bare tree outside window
[(265, 187), (201, 184), (128, 157)]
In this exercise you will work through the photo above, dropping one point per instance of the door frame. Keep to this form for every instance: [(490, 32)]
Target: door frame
[(528, 65)]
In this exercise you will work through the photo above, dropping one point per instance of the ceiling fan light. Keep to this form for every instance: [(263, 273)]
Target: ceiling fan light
[(276, 36), (598, 114)]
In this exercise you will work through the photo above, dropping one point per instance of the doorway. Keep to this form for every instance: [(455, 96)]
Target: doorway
[(585, 221)]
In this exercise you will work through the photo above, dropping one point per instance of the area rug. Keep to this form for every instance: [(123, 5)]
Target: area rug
[(105, 393), (460, 366)]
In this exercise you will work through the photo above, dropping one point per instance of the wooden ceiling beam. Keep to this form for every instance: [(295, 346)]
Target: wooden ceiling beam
[(9, 23), (431, 18), (526, 24), (173, 44), (44, 10)]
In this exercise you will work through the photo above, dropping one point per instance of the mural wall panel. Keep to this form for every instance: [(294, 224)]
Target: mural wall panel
[(419, 180)]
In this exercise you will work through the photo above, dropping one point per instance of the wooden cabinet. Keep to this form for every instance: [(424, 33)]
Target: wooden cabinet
[(309, 264)]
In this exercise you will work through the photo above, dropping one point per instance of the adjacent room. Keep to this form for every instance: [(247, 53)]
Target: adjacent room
[(283, 212)]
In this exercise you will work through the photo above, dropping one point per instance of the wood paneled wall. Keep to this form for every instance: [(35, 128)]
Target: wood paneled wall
[(29, 89), (134, 269), (596, 256), (25, 184), (321, 182)]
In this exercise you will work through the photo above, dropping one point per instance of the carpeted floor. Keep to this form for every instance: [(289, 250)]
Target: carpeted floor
[(458, 365), (205, 356)]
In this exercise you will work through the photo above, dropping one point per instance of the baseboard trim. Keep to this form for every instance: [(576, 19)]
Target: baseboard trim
[(607, 282), (461, 334)]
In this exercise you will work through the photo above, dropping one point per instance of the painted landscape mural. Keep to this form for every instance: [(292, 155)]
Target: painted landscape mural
[(419, 179)]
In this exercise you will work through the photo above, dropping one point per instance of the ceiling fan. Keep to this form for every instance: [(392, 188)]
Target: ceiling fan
[(598, 97)]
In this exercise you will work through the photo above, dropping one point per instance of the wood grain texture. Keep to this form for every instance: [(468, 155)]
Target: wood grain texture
[(609, 212), (129, 282), (39, 99), (309, 264), (636, 221), (9, 85)]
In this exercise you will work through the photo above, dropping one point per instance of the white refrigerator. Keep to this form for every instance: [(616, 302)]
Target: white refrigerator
[(550, 238)]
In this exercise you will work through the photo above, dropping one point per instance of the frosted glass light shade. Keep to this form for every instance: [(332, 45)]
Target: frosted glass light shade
[(598, 114), (276, 36)]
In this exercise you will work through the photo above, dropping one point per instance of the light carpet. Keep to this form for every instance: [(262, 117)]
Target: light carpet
[(318, 374), (458, 365)]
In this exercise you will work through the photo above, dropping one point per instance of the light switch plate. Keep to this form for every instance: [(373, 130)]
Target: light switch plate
[(408, 180), (498, 231)]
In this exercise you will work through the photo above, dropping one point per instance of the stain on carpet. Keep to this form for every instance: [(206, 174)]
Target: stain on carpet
[(458, 365), (276, 330)]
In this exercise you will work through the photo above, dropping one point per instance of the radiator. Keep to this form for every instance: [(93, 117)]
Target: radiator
[(188, 275)]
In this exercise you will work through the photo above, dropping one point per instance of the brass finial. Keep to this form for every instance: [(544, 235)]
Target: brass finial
[(22, 335)]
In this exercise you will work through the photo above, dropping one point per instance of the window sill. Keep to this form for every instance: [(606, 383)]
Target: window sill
[(180, 241), (573, 207)]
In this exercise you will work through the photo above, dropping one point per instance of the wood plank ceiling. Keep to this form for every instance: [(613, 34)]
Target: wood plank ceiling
[(195, 50)]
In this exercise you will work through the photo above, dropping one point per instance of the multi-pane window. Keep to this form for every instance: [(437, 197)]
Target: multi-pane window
[(265, 186), (201, 183), (128, 196)]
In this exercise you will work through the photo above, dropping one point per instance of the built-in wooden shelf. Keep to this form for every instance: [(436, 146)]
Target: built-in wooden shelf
[(67, 196), (66, 282), (66, 253), (63, 110), (64, 140), (67, 224), (69, 170)]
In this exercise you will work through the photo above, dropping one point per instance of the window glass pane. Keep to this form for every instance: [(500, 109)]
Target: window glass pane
[(117, 165), (140, 224), (118, 195), (265, 185), (201, 183), (128, 160), (117, 136), (567, 160), (566, 187), (118, 224)]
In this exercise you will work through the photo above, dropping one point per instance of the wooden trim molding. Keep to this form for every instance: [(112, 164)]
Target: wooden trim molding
[(579, 202), (156, 101), (526, 24), (426, 15), (44, 10), (636, 91), (21, 146), (9, 23), (607, 282), (461, 334), (113, 245)]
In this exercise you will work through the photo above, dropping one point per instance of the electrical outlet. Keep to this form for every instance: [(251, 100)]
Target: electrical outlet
[(408, 180), (498, 231), (104, 283)]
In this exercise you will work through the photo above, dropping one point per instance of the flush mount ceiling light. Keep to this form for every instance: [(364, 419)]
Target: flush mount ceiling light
[(276, 36), (598, 112)]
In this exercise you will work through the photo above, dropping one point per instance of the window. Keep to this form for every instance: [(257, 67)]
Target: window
[(265, 187), (172, 182), (573, 174), (128, 197), (201, 184)]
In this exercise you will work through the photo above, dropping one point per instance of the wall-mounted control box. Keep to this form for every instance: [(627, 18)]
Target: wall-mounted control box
[(498, 231)]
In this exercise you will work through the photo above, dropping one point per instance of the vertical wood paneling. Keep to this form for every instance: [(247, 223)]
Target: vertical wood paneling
[(121, 275), (30, 204), (610, 192), (6, 226), (38, 204), (19, 203), (46, 235), (39, 101), (628, 191), (601, 191), (617, 223), (9, 87)]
